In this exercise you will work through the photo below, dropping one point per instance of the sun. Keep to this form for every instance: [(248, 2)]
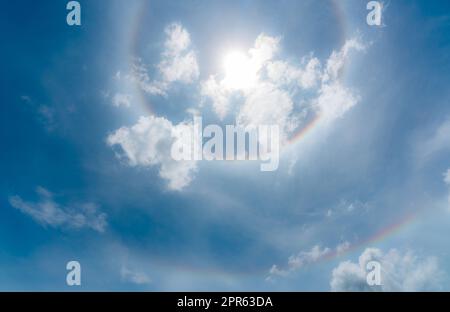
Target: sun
[(240, 73)]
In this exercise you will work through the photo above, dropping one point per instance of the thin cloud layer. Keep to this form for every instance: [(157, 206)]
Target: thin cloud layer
[(133, 276), (447, 182), (304, 258), (47, 212), (121, 99)]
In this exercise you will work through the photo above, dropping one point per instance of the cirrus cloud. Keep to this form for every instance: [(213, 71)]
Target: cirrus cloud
[(47, 212)]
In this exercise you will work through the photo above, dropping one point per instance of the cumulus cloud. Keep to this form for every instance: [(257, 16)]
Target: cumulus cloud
[(263, 88), (399, 272), (268, 105), (48, 212), (264, 49), (178, 63), (271, 91), (283, 73), (149, 142), (219, 96), (241, 76)]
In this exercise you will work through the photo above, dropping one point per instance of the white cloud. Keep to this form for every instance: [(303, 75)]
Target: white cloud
[(178, 39), (285, 74), (334, 101), (399, 272), (121, 99), (219, 95), (182, 68), (271, 92), (349, 276), (268, 105), (178, 64), (299, 261), (139, 75), (148, 143), (136, 277), (304, 258), (48, 212), (337, 60), (249, 65), (307, 257), (264, 49)]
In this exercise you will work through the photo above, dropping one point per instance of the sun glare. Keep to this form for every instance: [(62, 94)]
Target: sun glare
[(239, 72)]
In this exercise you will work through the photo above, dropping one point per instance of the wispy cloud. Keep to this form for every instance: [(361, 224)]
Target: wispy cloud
[(432, 143), (121, 99), (46, 114), (347, 208), (133, 276), (447, 177), (447, 181), (303, 258), (47, 212)]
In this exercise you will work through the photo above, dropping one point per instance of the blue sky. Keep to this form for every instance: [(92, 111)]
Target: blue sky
[(367, 179)]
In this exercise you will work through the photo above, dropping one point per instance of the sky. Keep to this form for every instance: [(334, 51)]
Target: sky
[(89, 113)]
